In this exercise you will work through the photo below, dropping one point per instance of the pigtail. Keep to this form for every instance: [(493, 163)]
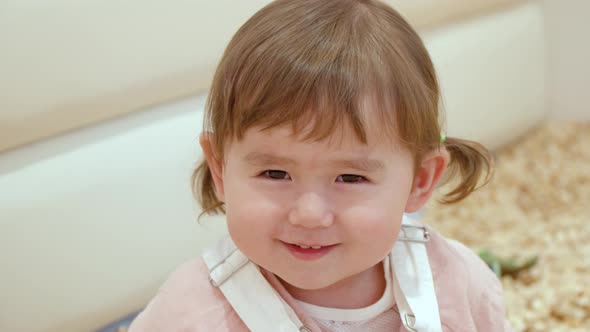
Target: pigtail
[(204, 190), (470, 161)]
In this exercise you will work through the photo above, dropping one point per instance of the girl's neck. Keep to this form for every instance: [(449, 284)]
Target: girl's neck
[(358, 291)]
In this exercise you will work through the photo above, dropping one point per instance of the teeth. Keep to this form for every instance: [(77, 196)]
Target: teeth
[(307, 247)]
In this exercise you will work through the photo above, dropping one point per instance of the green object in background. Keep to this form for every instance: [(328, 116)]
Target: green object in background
[(504, 266)]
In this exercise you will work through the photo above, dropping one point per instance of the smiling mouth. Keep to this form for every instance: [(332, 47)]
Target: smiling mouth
[(308, 252), (309, 246)]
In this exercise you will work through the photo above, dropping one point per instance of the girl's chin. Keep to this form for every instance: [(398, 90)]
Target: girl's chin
[(304, 282)]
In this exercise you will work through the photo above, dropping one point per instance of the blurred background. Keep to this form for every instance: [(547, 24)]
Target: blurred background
[(101, 107)]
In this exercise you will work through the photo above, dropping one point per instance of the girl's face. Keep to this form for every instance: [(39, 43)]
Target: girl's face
[(314, 213)]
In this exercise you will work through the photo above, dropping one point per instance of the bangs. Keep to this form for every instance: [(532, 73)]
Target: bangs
[(317, 66), (314, 96)]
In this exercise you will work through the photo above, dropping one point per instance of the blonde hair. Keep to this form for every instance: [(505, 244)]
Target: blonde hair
[(296, 61)]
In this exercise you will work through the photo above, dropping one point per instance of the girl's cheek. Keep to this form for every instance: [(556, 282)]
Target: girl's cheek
[(259, 201)]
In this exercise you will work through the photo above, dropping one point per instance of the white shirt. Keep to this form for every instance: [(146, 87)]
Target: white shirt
[(377, 317)]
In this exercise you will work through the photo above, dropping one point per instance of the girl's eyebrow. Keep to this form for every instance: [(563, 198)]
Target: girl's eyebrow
[(361, 164), (262, 159)]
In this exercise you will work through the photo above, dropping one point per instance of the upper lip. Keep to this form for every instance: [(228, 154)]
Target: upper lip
[(306, 244)]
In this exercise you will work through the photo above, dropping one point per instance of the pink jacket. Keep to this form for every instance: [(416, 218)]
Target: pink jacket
[(469, 295)]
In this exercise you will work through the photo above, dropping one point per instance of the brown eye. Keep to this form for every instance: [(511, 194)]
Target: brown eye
[(276, 175), (350, 178)]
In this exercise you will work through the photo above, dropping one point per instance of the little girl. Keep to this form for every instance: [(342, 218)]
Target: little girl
[(322, 131)]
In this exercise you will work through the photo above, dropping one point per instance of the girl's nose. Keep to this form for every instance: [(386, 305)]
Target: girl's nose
[(311, 211)]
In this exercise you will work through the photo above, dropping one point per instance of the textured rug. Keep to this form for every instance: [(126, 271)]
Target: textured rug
[(538, 203)]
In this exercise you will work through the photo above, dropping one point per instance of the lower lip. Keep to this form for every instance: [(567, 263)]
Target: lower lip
[(308, 254)]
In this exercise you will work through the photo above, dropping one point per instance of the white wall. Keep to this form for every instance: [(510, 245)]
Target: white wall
[(92, 222), (567, 28)]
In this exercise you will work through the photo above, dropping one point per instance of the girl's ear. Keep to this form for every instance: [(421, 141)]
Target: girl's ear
[(427, 176), (214, 162)]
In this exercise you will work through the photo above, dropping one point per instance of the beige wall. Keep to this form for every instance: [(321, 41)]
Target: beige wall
[(69, 64), (567, 28)]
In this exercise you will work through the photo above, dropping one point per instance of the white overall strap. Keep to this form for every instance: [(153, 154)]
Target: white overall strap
[(413, 286), (249, 293)]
